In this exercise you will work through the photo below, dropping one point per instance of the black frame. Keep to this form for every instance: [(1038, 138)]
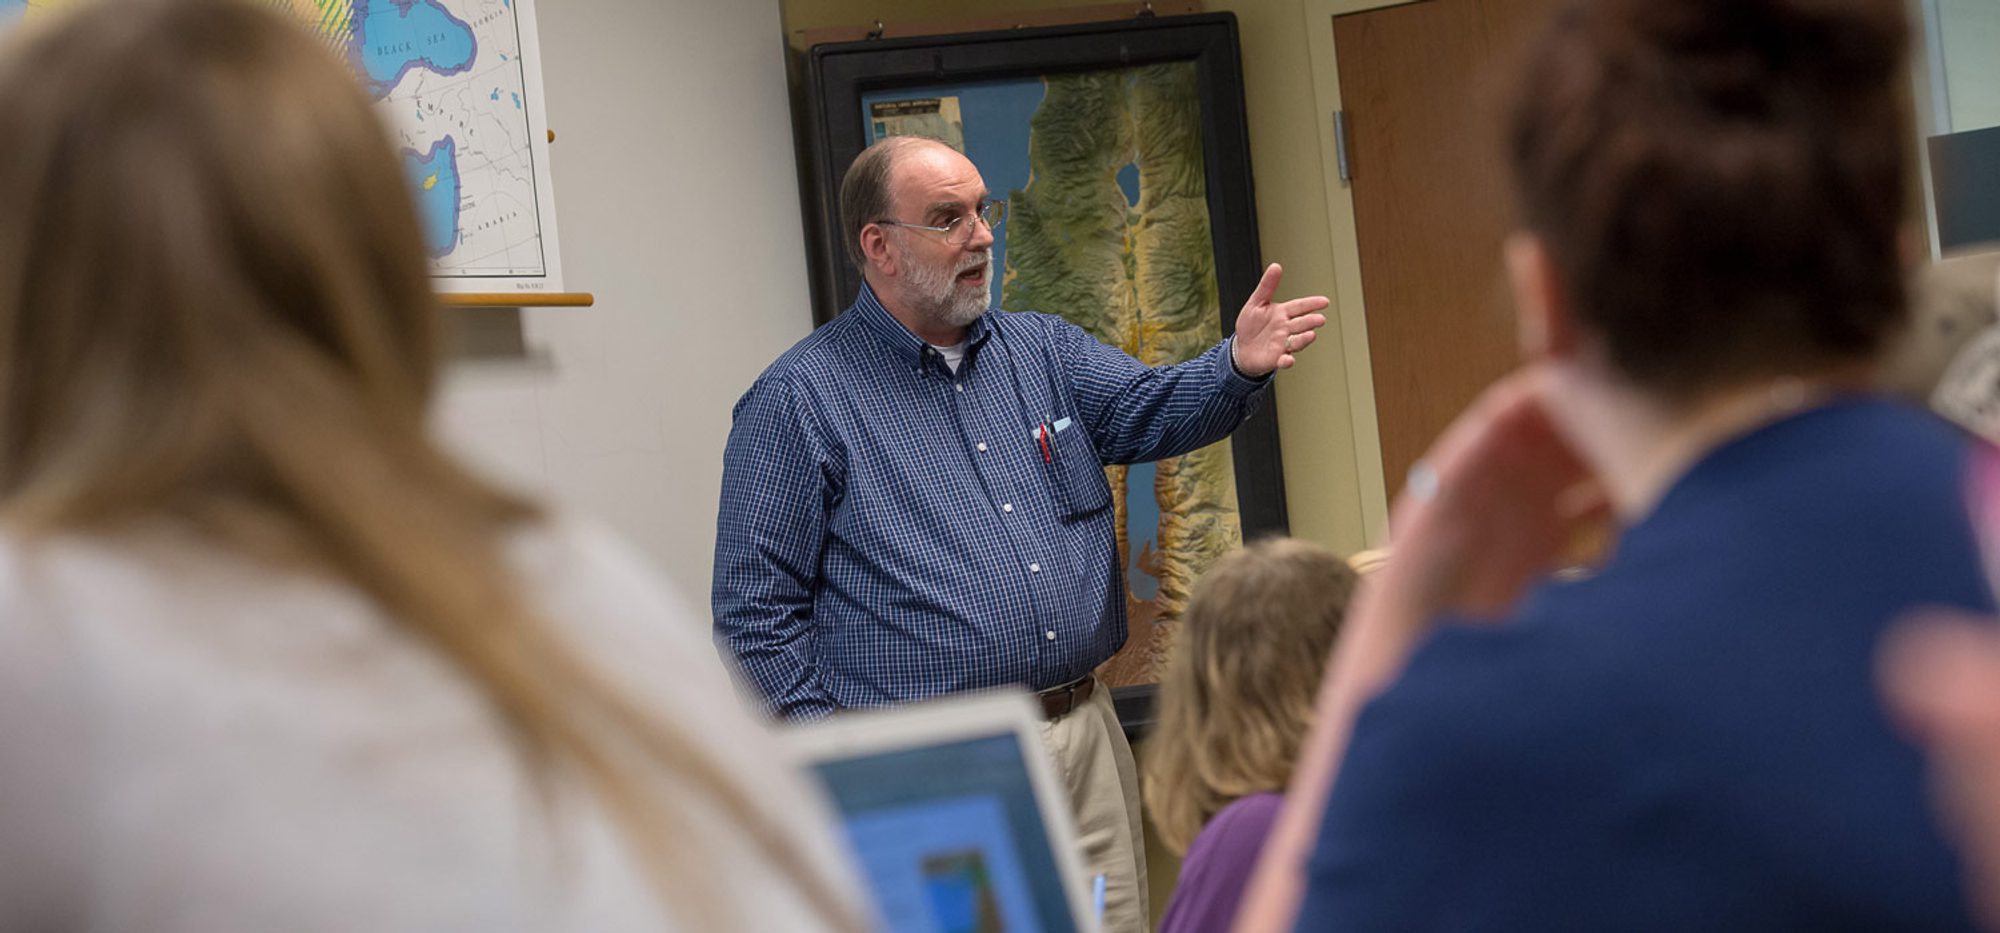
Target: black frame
[(840, 74), (1965, 188)]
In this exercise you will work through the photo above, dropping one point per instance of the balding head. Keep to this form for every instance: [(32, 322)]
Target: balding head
[(868, 187)]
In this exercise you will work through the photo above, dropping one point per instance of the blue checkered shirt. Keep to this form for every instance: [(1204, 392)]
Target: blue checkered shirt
[(891, 531)]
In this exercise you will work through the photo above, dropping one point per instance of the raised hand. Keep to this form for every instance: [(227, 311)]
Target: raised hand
[(1940, 673), (1490, 508), (1269, 333)]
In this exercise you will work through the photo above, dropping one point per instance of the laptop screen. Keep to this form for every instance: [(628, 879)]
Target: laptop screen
[(950, 838)]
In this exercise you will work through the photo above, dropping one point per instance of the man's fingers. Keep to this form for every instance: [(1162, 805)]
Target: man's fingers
[(1306, 305), (1268, 285)]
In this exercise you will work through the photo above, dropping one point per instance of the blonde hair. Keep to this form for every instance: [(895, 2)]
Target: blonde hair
[(1238, 691), (215, 311)]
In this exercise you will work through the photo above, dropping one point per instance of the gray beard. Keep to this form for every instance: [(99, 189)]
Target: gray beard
[(940, 296)]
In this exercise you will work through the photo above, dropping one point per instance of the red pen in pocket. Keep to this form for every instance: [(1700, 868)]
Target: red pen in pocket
[(1042, 435)]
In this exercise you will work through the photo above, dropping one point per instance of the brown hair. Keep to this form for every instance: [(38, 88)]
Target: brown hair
[(214, 309), (864, 190), (1720, 182), (1238, 692)]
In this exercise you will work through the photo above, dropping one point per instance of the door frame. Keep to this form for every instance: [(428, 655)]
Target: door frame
[(1347, 309)]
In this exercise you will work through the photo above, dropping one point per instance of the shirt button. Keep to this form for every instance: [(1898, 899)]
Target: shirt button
[(959, 386), (1052, 636), (1034, 568), (982, 447), (1006, 506)]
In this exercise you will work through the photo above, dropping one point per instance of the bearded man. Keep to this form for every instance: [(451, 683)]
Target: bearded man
[(914, 500)]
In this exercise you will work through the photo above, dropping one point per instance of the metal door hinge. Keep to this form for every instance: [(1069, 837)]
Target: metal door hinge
[(1340, 155)]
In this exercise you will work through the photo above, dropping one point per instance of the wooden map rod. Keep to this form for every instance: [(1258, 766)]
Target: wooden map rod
[(517, 300)]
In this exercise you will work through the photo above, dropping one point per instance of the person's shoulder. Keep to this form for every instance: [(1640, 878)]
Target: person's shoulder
[(1868, 480), (12, 557), (631, 627), (46, 707), (820, 357), (150, 570), (1035, 325), (32, 637), (1896, 415), (1894, 430), (831, 362), (1475, 694), (1463, 658), (1241, 826), (583, 573), (1886, 444), (1485, 739), (828, 345), (635, 624), (1218, 864)]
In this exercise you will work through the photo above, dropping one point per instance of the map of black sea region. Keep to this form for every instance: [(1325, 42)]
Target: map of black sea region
[(458, 83)]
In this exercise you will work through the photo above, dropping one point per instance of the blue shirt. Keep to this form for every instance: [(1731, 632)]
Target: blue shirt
[(891, 531), (1691, 739)]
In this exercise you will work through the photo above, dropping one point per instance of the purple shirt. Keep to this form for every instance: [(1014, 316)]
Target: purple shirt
[(1218, 865)]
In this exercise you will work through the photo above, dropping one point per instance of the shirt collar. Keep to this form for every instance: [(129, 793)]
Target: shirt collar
[(907, 346)]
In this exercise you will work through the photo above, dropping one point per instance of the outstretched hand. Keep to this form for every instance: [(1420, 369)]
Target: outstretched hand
[(1269, 333)]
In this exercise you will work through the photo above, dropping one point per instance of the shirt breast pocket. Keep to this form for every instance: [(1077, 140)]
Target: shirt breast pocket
[(1076, 476)]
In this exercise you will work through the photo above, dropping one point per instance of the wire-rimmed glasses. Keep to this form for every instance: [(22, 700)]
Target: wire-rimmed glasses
[(957, 230)]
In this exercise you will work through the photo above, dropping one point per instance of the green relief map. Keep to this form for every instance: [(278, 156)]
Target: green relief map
[(1108, 226)]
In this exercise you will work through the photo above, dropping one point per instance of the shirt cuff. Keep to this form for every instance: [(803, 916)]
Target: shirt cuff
[(1231, 379)]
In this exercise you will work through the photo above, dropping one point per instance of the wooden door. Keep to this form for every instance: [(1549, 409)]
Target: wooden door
[(1423, 86)]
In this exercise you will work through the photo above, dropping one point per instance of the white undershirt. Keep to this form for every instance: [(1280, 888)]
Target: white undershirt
[(953, 355)]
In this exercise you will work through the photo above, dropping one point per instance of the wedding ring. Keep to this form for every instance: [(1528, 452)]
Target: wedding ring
[(1422, 483)]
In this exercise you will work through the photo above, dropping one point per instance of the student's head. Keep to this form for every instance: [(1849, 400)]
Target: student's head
[(905, 181), (215, 316), (1711, 190), (208, 257), (1238, 691)]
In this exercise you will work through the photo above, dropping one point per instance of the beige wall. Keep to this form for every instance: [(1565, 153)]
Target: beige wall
[(678, 207), (1323, 478)]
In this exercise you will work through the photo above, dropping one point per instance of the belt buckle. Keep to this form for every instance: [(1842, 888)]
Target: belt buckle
[(1060, 701)]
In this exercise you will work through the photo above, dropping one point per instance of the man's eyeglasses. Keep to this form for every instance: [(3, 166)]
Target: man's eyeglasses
[(959, 229)]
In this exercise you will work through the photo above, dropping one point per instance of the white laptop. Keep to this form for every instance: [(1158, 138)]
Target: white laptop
[(954, 812)]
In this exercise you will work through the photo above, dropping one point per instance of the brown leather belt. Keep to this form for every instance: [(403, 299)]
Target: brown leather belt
[(1058, 701)]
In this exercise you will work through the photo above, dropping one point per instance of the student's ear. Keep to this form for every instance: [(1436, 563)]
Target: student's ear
[(876, 247), (1544, 322)]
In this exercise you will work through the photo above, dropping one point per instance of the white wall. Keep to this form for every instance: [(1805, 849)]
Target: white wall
[(1969, 31), (677, 202)]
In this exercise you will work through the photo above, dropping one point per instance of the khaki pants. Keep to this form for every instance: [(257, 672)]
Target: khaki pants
[(1096, 767)]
